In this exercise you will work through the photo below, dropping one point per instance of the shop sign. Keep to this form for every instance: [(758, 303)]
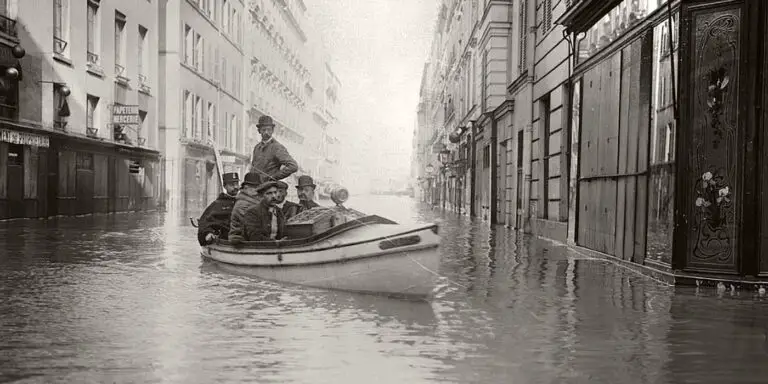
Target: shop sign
[(125, 114), (24, 138)]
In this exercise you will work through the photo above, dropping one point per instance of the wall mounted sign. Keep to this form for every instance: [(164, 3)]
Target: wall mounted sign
[(125, 114), (24, 138)]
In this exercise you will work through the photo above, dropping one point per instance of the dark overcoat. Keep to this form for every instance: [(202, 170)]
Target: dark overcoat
[(215, 219)]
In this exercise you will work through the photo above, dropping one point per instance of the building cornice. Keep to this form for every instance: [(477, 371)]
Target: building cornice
[(520, 82)]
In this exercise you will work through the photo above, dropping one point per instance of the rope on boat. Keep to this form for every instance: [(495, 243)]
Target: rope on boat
[(437, 274)]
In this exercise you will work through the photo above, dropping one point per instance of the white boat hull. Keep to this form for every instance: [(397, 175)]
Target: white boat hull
[(379, 259)]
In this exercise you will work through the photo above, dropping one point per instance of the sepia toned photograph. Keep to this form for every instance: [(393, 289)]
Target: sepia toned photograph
[(384, 191)]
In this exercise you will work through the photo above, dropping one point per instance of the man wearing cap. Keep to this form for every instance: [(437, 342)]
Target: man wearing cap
[(270, 158), (306, 191), (214, 222), (247, 198), (265, 221), (289, 208)]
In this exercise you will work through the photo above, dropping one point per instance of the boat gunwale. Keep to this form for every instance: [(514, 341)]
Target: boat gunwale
[(247, 247), (344, 260)]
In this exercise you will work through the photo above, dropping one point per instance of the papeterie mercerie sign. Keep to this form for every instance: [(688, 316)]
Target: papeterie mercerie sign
[(24, 138), (125, 114)]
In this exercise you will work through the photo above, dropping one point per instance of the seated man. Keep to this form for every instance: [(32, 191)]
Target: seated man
[(289, 208), (265, 221), (214, 222), (247, 198), (306, 191)]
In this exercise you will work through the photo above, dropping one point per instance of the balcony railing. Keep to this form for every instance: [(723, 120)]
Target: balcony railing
[(119, 69), (8, 111), (143, 86), (142, 141), (92, 132), (8, 26), (59, 45), (93, 58), (60, 125)]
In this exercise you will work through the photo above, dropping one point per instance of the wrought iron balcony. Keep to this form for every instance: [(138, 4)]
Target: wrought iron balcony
[(8, 111), (119, 69), (59, 45), (92, 132), (93, 58), (142, 141), (8, 26), (60, 125), (143, 84)]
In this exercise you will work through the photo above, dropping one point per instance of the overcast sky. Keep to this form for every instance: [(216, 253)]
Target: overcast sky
[(378, 50)]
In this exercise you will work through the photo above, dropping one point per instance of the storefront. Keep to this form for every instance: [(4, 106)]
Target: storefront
[(46, 173), (654, 82), (21, 179)]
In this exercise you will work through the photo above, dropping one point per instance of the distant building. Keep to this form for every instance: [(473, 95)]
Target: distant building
[(78, 115), (202, 81), (291, 79)]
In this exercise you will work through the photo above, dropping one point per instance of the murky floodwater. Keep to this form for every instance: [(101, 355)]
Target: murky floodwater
[(126, 298)]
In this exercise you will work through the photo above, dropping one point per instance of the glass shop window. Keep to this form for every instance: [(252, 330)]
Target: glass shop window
[(15, 154), (663, 132), (84, 161), (615, 24)]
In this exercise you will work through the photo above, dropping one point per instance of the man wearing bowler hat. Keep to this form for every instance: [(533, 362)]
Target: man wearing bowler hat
[(306, 191), (214, 222), (270, 159), (265, 221), (247, 198)]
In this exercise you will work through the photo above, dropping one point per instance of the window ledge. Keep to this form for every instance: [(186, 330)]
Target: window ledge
[(62, 59), (95, 70), (122, 80)]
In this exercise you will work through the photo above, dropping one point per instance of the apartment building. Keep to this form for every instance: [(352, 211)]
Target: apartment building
[(291, 79), (465, 108), (202, 57), (78, 132)]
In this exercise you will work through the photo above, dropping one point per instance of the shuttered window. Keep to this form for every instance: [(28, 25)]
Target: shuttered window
[(67, 174), (31, 162), (547, 20), (100, 175)]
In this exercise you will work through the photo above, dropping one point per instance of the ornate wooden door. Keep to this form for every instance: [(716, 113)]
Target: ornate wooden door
[(711, 165)]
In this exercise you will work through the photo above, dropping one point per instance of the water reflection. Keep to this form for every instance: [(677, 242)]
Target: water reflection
[(127, 298)]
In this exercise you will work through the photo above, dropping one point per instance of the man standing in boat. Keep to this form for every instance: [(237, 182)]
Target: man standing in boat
[(247, 198), (270, 159), (265, 221), (306, 191), (214, 222)]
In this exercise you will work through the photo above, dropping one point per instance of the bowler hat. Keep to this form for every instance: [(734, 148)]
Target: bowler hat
[(265, 121), (231, 177), (264, 186), (304, 181), (281, 185), (252, 178)]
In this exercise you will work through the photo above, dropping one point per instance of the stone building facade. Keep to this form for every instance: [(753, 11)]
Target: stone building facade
[(78, 132)]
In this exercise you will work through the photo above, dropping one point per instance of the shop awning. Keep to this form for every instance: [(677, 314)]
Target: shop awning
[(583, 13)]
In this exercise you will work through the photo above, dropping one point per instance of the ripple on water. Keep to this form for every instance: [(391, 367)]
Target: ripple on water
[(126, 298)]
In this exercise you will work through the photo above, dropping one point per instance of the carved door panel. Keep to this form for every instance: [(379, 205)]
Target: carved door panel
[(711, 177)]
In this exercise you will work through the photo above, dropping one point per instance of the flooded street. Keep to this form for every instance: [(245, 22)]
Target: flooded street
[(127, 298)]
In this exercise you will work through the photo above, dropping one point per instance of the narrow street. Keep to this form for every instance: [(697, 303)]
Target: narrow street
[(126, 298)]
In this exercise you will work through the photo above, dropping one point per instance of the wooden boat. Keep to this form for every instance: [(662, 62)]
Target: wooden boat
[(343, 249)]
